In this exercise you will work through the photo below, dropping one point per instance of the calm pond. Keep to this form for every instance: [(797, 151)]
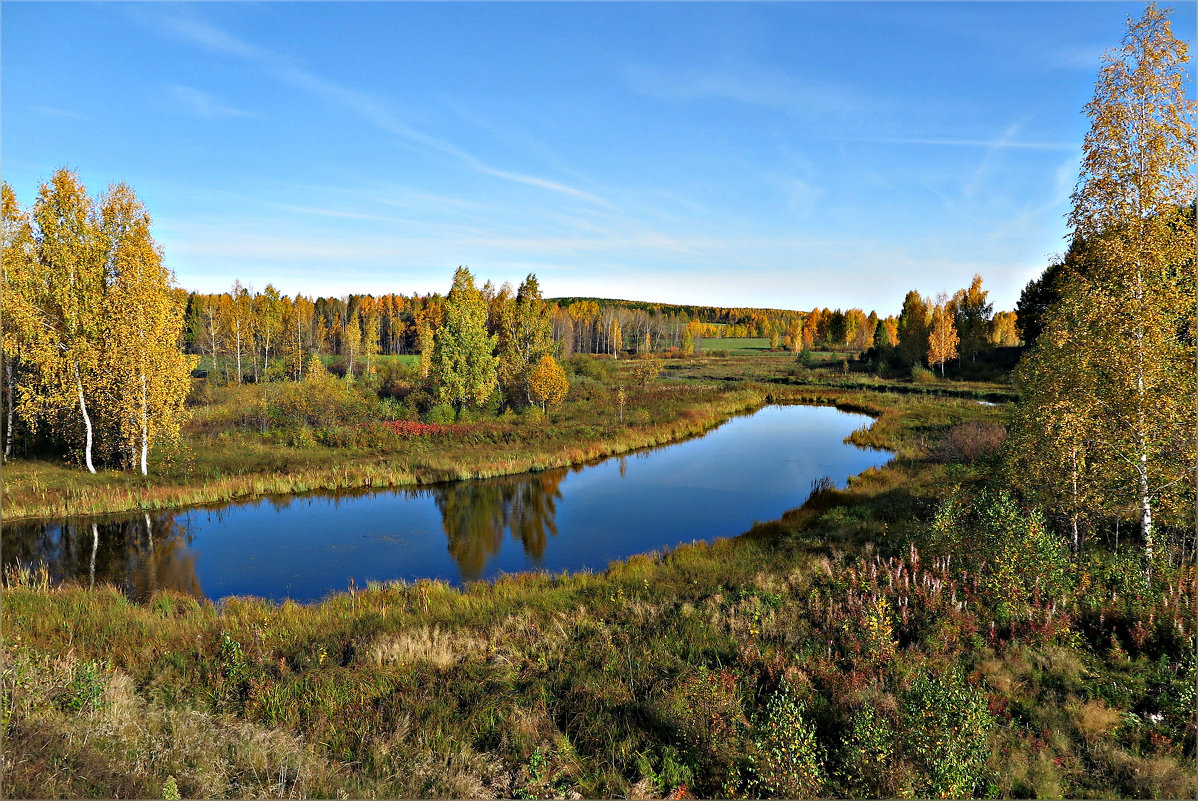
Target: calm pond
[(752, 468)]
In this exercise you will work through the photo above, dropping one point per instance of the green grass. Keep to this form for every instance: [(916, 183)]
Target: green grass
[(738, 345), (234, 446), (796, 655), (407, 359)]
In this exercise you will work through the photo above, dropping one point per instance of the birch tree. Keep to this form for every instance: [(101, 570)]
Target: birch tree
[(18, 261), (1126, 328), (463, 364), (268, 315), (146, 373), (525, 336), (58, 305), (943, 338)]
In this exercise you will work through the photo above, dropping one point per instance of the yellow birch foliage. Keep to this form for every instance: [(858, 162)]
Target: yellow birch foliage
[(58, 307), (1124, 333), (943, 338), (1004, 332), (146, 375), (547, 384), (18, 259)]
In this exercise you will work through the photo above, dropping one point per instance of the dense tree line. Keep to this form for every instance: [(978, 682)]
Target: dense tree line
[(931, 332)]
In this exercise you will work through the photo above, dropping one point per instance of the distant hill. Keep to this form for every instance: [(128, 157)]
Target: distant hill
[(710, 314)]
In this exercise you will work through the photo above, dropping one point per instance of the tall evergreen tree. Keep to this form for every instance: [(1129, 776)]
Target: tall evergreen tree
[(914, 324), (972, 315)]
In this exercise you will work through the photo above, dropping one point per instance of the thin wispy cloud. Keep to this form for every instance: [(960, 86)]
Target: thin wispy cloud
[(989, 160), (720, 153), (801, 96), (1002, 142), (1077, 57), (285, 69), (206, 105)]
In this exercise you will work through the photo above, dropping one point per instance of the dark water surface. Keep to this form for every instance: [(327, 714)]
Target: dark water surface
[(752, 468)]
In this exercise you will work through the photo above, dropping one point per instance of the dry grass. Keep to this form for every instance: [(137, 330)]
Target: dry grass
[(119, 744), (1093, 719), (599, 685), (433, 645)]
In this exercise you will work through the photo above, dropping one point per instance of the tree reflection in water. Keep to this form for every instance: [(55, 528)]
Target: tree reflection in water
[(138, 554), (477, 514)]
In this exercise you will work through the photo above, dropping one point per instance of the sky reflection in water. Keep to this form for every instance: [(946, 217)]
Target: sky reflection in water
[(303, 547)]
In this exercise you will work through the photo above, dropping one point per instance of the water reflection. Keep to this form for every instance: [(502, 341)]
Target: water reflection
[(303, 547), (139, 554), (476, 517), (150, 552)]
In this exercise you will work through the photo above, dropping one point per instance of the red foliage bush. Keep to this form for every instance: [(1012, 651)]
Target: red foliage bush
[(414, 428)]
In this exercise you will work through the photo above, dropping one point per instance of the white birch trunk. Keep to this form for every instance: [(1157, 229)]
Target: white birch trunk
[(87, 421), (95, 547), (145, 426), (8, 371), (1146, 509), (1077, 539)]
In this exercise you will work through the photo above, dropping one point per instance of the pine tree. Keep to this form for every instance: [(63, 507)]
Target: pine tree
[(914, 324), (972, 316)]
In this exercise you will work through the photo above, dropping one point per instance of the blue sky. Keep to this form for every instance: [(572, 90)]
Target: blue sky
[(783, 155)]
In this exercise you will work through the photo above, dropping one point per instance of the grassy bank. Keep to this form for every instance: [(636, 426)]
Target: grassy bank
[(827, 653), (235, 446), (226, 462)]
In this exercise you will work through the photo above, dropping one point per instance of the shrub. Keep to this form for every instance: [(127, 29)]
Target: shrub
[(84, 690), (922, 375), (321, 401), (968, 442), (1011, 551), (866, 754), (441, 414), (787, 760), (946, 727), (581, 364)]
